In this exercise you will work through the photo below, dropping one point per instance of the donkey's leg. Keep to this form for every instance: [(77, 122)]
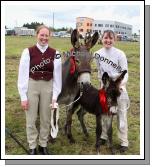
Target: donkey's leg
[(110, 133), (68, 126), (65, 126), (98, 132), (81, 112)]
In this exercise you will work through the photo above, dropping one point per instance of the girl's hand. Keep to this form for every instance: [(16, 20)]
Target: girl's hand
[(53, 103), (25, 105)]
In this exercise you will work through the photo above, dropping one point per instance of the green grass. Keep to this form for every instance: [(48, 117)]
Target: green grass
[(15, 116)]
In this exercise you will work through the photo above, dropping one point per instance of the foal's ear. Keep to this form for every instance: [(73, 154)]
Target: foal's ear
[(121, 77), (105, 79), (75, 38), (92, 41)]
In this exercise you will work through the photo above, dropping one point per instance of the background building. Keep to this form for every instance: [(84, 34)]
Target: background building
[(9, 31), (121, 29), (84, 25), (24, 31)]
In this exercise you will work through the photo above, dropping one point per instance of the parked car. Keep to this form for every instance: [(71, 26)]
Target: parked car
[(55, 34), (66, 36)]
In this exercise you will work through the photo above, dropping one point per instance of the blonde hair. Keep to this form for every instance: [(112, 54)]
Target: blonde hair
[(42, 26)]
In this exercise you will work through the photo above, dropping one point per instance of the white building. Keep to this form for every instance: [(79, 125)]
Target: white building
[(118, 27), (24, 31)]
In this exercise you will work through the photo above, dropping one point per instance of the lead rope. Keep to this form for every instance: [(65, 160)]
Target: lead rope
[(81, 93), (55, 118), (73, 101)]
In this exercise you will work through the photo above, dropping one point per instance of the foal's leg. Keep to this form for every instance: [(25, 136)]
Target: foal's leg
[(98, 132), (81, 112), (110, 132), (68, 125)]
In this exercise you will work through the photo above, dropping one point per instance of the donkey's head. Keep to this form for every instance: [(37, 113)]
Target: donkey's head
[(112, 88), (82, 54)]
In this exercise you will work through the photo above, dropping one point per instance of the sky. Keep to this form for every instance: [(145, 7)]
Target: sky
[(65, 13)]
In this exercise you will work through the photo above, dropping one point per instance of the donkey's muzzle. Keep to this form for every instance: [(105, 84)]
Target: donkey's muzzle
[(84, 78)]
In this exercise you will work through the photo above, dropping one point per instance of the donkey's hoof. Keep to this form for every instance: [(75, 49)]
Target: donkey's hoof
[(51, 139), (113, 151), (72, 141), (86, 137), (123, 149), (86, 134), (98, 151)]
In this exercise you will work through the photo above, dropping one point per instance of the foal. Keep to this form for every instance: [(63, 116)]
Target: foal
[(93, 101)]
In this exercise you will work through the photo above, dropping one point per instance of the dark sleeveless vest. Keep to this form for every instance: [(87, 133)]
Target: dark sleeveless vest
[(41, 64)]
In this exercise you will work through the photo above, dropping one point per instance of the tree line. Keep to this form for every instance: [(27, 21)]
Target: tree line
[(34, 25)]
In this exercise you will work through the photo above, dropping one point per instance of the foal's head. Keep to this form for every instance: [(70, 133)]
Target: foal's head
[(112, 88), (82, 54)]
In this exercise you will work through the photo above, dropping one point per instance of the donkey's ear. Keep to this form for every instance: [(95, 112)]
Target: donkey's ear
[(75, 38), (95, 38), (105, 78), (121, 77), (92, 41)]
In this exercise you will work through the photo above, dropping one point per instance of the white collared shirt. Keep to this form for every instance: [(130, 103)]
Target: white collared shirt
[(23, 75)]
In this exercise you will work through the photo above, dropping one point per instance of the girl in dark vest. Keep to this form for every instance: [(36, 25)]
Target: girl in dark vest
[(39, 84)]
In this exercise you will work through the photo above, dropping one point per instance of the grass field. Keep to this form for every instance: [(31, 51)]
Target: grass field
[(15, 116)]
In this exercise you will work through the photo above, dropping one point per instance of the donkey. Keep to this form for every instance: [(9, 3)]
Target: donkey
[(92, 101), (76, 69)]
